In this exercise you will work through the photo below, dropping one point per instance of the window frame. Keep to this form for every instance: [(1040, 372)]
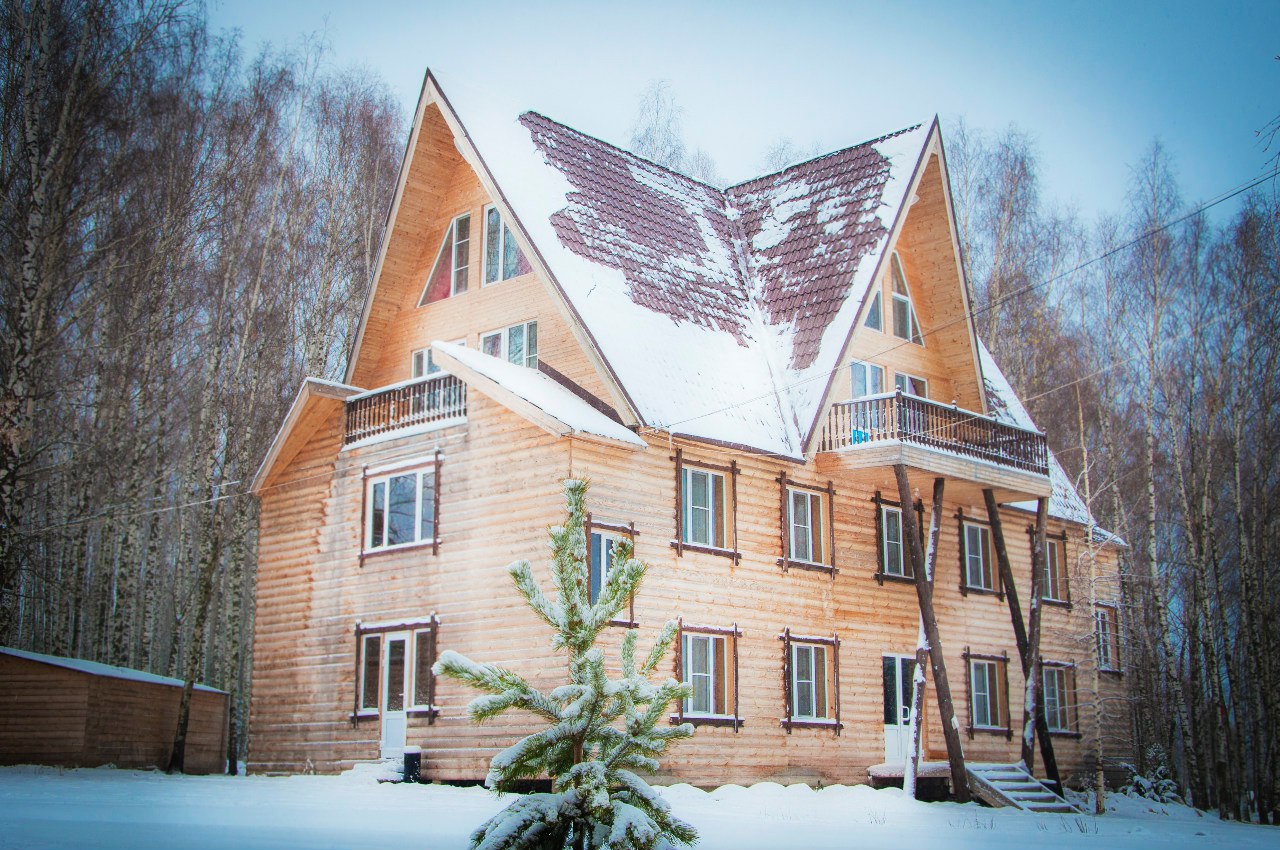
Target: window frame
[(875, 311), (831, 678), (1057, 544), (730, 637), (1105, 612), (450, 239), (984, 528), (884, 505), (866, 369), (1066, 705), (613, 531), (901, 378), (824, 497), (417, 467), (914, 333), (505, 239), (529, 361), (729, 475), (366, 632), (997, 682)]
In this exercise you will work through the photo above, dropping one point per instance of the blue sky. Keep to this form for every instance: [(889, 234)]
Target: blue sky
[(1093, 83)]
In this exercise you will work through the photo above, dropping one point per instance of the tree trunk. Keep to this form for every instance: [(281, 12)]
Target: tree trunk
[(924, 595)]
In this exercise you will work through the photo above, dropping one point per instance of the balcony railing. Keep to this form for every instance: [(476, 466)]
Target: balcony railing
[(909, 419), (420, 402)]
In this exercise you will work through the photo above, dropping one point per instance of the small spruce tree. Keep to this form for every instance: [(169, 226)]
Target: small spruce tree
[(600, 730)]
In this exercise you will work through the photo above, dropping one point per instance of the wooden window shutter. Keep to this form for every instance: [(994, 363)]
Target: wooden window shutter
[(355, 707), (680, 659), (784, 522), (835, 677), (785, 637), (1064, 571), (880, 565), (733, 508), (968, 678), (737, 716), (831, 526), (679, 459), (432, 642), (1005, 714), (435, 508), (964, 580)]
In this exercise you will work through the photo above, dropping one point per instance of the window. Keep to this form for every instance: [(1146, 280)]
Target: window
[(811, 682), (399, 653), (1108, 634), (449, 274), (517, 344), (875, 316), (984, 677), (704, 508), (905, 324), (892, 562), (1059, 696), (602, 551), (707, 665), (807, 524), (868, 379), (976, 556), (503, 258), (1053, 578), (401, 509), (423, 363), (911, 385)]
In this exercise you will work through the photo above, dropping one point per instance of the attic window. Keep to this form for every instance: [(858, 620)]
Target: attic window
[(449, 274), (905, 324), (875, 316), (503, 258)]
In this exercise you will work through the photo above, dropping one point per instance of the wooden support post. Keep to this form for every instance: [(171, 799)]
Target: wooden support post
[(912, 768), (1035, 724), (924, 595)]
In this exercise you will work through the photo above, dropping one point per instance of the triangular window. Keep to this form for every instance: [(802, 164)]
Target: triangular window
[(449, 274), (875, 316), (905, 324)]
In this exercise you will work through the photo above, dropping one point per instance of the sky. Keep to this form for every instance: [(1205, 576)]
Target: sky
[(1093, 84)]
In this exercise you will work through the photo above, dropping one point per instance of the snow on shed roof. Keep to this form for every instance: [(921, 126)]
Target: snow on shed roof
[(568, 414), (98, 669), (720, 312)]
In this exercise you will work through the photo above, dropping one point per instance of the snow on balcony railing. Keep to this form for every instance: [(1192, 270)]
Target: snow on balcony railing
[(419, 402), (910, 419)]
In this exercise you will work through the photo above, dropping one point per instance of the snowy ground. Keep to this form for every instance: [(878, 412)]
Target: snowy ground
[(105, 808)]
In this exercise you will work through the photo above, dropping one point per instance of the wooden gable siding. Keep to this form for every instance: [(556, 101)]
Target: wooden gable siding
[(946, 360), (440, 187)]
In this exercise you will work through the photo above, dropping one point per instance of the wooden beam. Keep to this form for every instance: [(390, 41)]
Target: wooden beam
[(924, 595), (912, 768)]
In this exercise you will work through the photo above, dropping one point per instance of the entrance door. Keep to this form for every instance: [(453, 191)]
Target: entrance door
[(395, 689), (899, 689)]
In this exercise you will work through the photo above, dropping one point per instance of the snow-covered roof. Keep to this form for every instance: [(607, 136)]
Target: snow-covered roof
[(1064, 503), (530, 392), (720, 312), (98, 669)]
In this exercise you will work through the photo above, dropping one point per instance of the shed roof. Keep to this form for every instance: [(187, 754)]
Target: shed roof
[(95, 668)]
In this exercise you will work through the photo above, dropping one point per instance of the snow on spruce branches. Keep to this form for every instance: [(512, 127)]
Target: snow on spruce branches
[(599, 730)]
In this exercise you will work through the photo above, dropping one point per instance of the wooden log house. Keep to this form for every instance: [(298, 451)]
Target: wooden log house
[(737, 372)]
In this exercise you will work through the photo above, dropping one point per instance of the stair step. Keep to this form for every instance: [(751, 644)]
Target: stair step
[(1014, 787)]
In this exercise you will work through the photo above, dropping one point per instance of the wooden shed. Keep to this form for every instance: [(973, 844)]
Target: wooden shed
[(73, 713)]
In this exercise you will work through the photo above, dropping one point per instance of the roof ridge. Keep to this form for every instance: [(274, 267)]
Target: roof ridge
[(812, 160), (630, 153)]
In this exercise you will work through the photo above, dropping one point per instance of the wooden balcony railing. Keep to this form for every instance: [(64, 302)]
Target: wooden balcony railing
[(425, 400), (867, 421)]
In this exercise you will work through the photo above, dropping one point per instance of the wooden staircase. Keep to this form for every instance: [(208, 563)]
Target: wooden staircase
[(1013, 785)]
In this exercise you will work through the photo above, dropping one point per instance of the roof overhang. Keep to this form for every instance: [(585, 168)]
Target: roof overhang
[(534, 396), (315, 399)]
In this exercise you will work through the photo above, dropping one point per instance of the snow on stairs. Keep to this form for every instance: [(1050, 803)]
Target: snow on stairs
[(1013, 785)]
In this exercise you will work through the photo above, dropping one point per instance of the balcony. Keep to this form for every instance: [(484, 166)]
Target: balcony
[(421, 402), (893, 428)]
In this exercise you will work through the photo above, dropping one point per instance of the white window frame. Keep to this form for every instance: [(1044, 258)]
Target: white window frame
[(427, 469), (505, 238), (872, 378), (914, 334), (903, 563), (876, 312), (818, 541), (811, 685), (411, 698), (1057, 714), (983, 557), (991, 697), (366, 710), (903, 381), (714, 523), (687, 639), (504, 342), (1106, 626), (454, 268), (608, 541)]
